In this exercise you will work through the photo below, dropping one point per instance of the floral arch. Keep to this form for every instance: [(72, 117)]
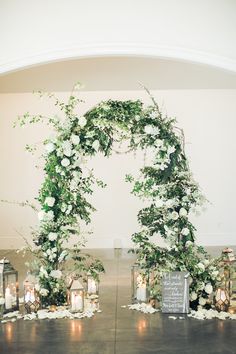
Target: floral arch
[(167, 184)]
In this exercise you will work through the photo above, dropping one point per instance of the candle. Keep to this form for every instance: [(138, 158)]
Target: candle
[(141, 292), (8, 299), (27, 296), (92, 289), (76, 302)]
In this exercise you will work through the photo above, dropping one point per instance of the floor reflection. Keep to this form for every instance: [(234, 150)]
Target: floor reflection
[(75, 330)]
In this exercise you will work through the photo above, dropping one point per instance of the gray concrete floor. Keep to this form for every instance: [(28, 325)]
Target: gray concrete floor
[(116, 330)]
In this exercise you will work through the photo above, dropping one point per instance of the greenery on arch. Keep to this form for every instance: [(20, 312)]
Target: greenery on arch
[(166, 183)]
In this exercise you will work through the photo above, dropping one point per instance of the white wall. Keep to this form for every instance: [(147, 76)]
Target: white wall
[(208, 118), (34, 31)]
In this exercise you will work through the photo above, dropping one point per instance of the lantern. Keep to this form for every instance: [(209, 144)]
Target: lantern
[(92, 285), (222, 300), (9, 286), (31, 296), (229, 276), (139, 285), (76, 296)]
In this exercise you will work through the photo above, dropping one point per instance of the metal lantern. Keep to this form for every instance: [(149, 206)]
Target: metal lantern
[(222, 300), (76, 296), (92, 285), (229, 276), (9, 287), (139, 285), (31, 296)]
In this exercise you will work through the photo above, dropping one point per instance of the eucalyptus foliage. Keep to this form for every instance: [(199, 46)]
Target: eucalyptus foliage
[(166, 183)]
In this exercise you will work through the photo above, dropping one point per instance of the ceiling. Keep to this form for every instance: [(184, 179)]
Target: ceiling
[(117, 73)]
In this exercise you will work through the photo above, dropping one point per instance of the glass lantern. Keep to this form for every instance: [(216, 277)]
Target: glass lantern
[(31, 296), (76, 296), (229, 275), (92, 285), (9, 288), (222, 300), (139, 285)]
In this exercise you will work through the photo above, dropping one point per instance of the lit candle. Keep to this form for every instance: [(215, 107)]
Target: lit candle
[(141, 289), (8, 299), (27, 296), (92, 289), (76, 302)]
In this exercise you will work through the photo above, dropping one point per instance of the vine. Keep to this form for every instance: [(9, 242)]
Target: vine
[(166, 183)]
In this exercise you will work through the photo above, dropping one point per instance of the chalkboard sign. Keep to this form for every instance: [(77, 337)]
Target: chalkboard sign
[(175, 292)]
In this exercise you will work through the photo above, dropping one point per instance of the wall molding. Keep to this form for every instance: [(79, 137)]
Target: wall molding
[(79, 51)]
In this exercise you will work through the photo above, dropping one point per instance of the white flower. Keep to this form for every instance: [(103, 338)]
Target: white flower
[(67, 148), (188, 244), (50, 147), (193, 296), (62, 256), (75, 139), (206, 262), (41, 215), (44, 292), (148, 129), (201, 266), (37, 287), (170, 150), (65, 162), (82, 122), (185, 231), (43, 272), (45, 216), (50, 201), (202, 301), (96, 145), (155, 131), (208, 288), (215, 273), (174, 215), (52, 236), (201, 285), (2, 301), (183, 212), (57, 274)]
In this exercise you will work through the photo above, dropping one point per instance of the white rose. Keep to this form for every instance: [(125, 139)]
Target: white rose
[(155, 131), (188, 244), (183, 212), (50, 215), (75, 139), (65, 162), (50, 147), (170, 150), (52, 236), (193, 296), (201, 266), (41, 215), (174, 215), (206, 262), (185, 231), (82, 122), (44, 292), (202, 301), (208, 288), (57, 274), (50, 201), (96, 145), (148, 129), (201, 286)]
